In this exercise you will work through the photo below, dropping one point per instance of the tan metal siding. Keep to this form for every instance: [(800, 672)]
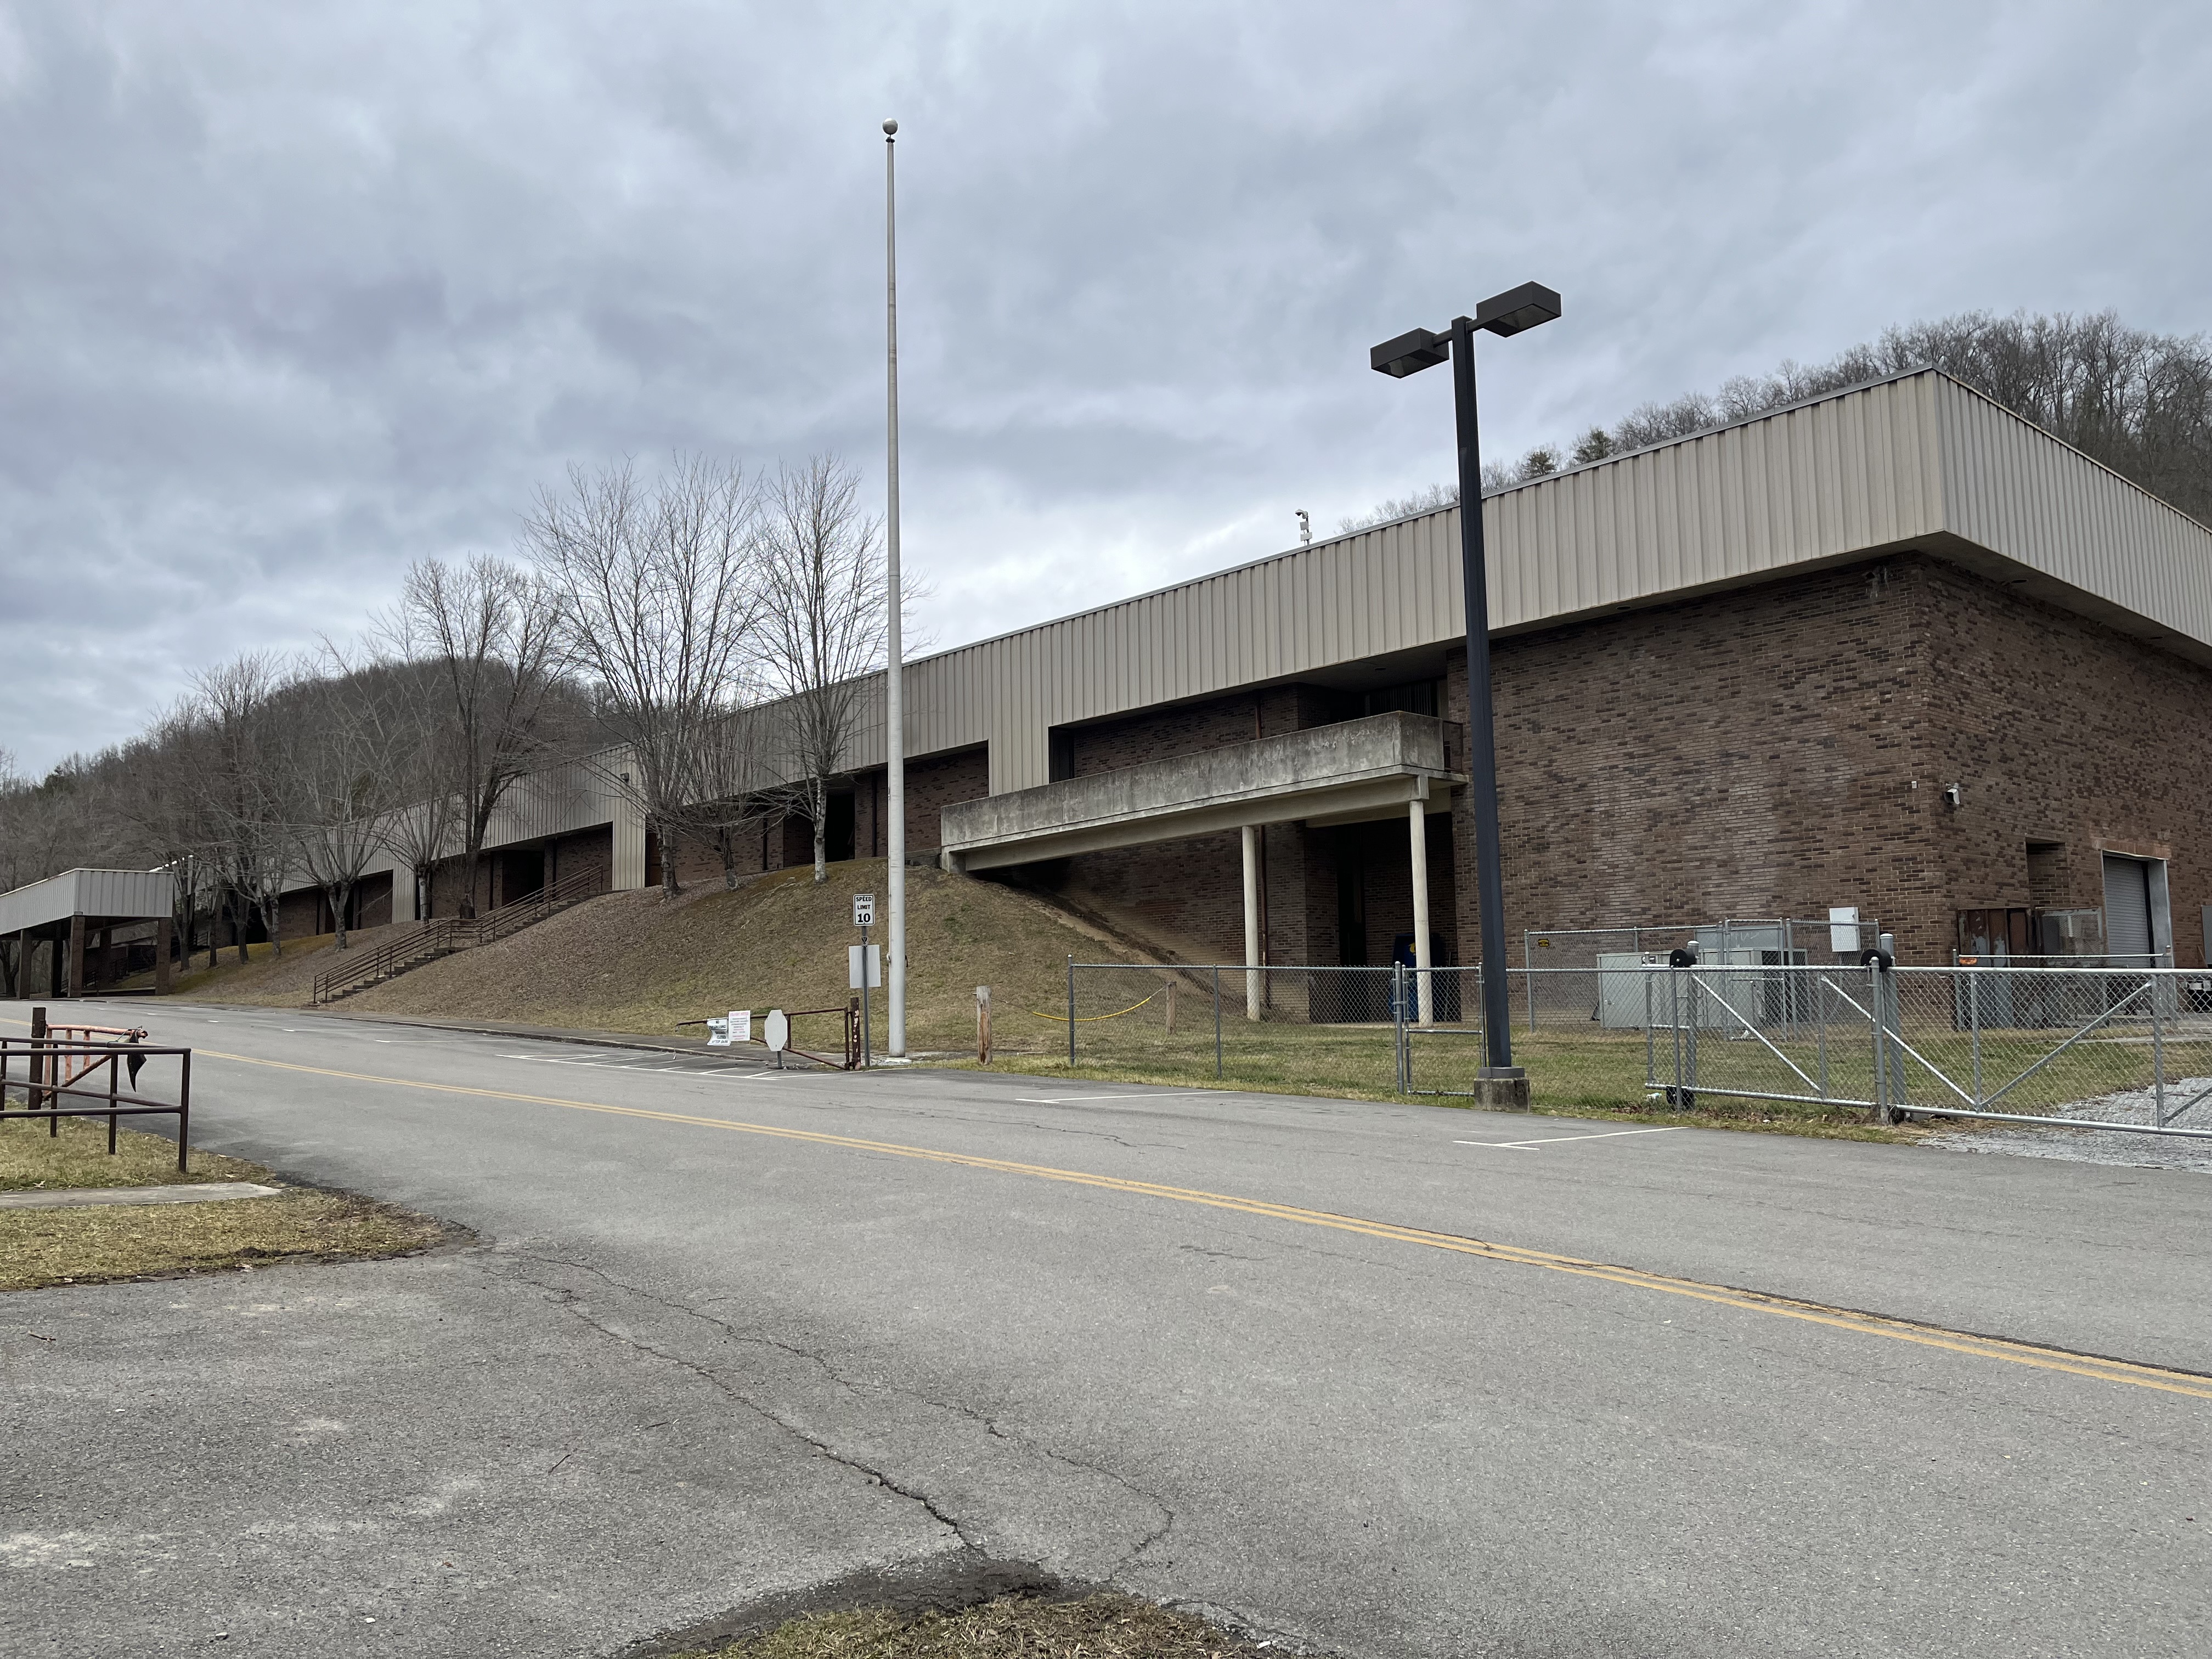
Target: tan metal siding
[(1879, 466), (2011, 488)]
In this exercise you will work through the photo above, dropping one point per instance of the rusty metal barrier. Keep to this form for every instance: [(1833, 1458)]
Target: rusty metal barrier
[(55, 1068), (850, 1013)]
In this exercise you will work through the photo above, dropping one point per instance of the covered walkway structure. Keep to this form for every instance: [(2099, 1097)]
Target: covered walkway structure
[(1349, 772), (74, 919)]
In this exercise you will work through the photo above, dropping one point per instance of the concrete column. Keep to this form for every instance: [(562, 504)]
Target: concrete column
[(163, 935), (77, 934), (1424, 992), (1251, 921)]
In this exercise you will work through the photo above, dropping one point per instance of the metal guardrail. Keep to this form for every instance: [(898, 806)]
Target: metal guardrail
[(444, 935), (54, 1070)]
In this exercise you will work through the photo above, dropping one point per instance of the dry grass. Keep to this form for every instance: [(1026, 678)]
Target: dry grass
[(631, 962), (104, 1243), (268, 978), (31, 1157), (1096, 1627)]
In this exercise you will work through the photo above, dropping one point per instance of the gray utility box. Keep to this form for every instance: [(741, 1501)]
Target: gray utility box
[(1731, 993)]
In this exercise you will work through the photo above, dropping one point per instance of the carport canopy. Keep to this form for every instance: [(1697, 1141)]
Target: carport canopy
[(68, 909)]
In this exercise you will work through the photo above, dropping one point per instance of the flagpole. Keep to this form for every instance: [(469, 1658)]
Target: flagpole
[(893, 690)]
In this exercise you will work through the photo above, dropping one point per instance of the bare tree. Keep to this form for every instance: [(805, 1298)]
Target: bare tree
[(427, 776), (161, 793), (827, 625), (493, 631), (234, 778), (734, 790), (663, 604), (340, 745)]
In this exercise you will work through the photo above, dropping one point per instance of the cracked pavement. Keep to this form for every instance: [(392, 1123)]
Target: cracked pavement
[(686, 1368)]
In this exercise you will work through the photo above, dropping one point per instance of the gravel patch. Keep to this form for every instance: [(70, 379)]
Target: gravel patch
[(2103, 1145)]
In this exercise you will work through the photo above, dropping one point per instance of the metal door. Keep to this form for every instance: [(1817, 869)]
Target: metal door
[(2127, 910)]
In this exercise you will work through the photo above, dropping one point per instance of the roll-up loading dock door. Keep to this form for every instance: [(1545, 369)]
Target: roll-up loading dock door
[(2128, 934)]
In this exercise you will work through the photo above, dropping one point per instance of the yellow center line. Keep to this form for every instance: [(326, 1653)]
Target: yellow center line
[(1844, 1319)]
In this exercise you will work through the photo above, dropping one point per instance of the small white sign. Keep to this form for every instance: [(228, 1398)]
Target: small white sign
[(1843, 930), (775, 1030), (718, 1034), (864, 909), (875, 962)]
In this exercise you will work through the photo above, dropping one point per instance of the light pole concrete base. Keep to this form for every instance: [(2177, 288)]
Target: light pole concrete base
[(1501, 1089)]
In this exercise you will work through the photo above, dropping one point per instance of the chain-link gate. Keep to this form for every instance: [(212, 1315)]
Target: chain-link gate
[(2074, 1047)]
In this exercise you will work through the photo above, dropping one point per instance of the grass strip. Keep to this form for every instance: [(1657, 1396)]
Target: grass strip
[(101, 1243), (32, 1159), (1015, 1627)]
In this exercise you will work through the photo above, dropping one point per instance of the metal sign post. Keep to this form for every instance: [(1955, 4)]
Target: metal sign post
[(861, 969)]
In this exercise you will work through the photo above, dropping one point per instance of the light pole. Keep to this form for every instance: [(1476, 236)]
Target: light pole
[(894, 690), (1509, 313)]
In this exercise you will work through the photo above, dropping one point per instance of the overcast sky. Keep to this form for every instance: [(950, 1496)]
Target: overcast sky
[(292, 294)]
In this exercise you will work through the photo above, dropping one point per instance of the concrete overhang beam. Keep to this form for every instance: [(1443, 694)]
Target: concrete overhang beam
[(1352, 772)]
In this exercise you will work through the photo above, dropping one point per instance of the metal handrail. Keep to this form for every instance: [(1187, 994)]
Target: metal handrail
[(444, 935)]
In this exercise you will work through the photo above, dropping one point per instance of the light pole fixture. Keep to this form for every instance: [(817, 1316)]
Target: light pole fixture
[(1509, 313), (893, 645)]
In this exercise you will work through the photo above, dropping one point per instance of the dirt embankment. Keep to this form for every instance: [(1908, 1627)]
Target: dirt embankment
[(633, 961)]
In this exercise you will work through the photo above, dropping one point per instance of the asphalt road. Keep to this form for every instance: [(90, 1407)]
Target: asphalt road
[(1375, 1379)]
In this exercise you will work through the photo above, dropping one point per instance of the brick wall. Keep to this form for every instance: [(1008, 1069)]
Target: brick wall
[(1189, 728), (2059, 730), (1780, 749), (590, 849)]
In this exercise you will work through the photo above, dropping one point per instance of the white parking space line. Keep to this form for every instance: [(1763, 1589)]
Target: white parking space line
[(723, 1073), (1555, 1140), (1070, 1099)]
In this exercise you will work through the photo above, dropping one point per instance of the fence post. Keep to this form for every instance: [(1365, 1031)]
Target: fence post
[(1217, 1025), (1071, 1012), (1974, 1018), (1697, 996), (1649, 1054), (1404, 1060), (111, 1060), (1675, 1029), (1820, 1027), (183, 1108), (1881, 1057), (2157, 1059)]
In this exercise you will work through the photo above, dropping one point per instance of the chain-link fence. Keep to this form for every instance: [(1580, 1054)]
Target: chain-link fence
[(2081, 1047), (1573, 976), (1301, 1024), (1397, 1028)]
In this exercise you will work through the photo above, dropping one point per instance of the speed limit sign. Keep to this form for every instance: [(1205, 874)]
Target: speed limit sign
[(864, 909)]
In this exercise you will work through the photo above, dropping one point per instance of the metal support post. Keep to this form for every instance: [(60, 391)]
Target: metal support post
[(1481, 734), (1880, 1055), (1648, 1042), (1821, 1028), (1405, 1066), (2157, 1059), (1070, 1014), (1974, 1022), (1217, 1024)]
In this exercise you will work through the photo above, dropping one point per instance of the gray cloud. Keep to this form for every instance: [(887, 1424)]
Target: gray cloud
[(296, 293)]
